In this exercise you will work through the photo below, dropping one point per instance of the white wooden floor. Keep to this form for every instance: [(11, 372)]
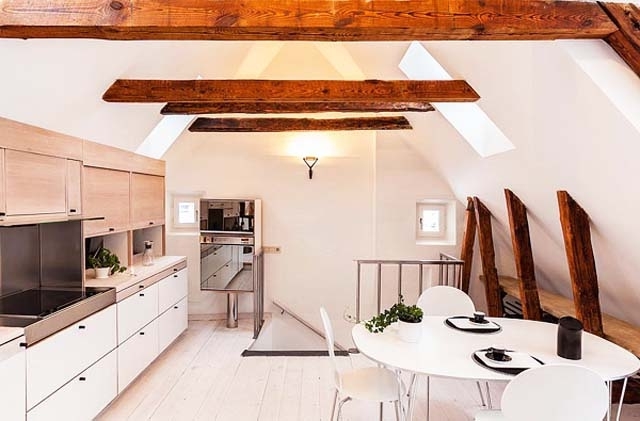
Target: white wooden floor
[(203, 377)]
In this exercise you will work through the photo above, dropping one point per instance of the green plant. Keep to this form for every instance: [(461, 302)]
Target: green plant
[(399, 311), (103, 258)]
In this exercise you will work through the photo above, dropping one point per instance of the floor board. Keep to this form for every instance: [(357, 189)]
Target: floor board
[(202, 376)]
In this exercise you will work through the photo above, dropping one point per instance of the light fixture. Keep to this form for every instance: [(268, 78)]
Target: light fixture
[(310, 161)]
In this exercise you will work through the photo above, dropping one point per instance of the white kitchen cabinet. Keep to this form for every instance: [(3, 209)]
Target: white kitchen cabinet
[(12, 380), (62, 356), (136, 353), (137, 311), (172, 323), (172, 289), (84, 396)]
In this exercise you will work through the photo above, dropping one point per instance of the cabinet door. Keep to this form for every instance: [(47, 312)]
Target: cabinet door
[(35, 184), (54, 361), (84, 396), (172, 323), (74, 187), (172, 289), (12, 381), (105, 193), (147, 197), (136, 311), (136, 354)]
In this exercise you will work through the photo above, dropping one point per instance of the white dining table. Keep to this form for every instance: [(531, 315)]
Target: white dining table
[(447, 352)]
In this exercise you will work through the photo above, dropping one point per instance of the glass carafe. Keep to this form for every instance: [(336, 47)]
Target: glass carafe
[(147, 256)]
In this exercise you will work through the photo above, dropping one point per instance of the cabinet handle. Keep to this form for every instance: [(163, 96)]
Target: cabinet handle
[(175, 276), (111, 229), (142, 333), (23, 344), (82, 379), (175, 269), (142, 295), (151, 223), (140, 286), (72, 210), (176, 307), (82, 327), (3, 213)]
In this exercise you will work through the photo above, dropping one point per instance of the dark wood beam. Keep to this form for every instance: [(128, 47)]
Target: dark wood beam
[(626, 40), (523, 255), (582, 265), (127, 90), (298, 124), (468, 240), (270, 107), (316, 20), (488, 258)]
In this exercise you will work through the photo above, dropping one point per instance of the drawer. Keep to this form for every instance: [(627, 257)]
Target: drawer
[(137, 311), (12, 380), (54, 361), (84, 396), (172, 289), (136, 353), (171, 324)]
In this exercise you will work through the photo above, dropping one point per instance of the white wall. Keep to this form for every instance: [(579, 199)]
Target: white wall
[(568, 135)]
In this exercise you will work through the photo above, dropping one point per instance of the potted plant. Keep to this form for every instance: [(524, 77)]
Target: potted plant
[(105, 263), (408, 318)]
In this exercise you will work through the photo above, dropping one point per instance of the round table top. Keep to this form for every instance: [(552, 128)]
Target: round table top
[(447, 352)]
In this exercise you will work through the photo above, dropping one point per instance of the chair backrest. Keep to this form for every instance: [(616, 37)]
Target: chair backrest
[(328, 334), (445, 301), (556, 393)]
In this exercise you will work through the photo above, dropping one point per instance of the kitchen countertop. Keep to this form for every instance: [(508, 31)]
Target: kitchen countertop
[(8, 334), (124, 280)]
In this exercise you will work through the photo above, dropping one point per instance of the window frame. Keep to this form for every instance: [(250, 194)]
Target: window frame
[(448, 214)]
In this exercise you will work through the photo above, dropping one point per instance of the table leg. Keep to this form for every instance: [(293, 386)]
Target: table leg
[(428, 396), (624, 389), (381, 411), (489, 403), (411, 396), (610, 384)]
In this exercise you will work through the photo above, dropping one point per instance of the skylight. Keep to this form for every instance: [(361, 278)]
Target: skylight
[(475, 126)]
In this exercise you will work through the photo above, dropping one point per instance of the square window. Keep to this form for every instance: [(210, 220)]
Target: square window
[(185, 211), (435, 222)]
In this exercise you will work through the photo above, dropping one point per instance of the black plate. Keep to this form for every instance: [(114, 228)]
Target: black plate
[(472, 330), (503, 370)]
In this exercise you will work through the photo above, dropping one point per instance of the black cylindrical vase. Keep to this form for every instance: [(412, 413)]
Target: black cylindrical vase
[(570, 338)]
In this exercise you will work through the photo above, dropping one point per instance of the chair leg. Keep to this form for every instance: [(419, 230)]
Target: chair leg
[(333, 408), (489, 403), (342, 402), (481, 394), (396, 404), (411, 396)]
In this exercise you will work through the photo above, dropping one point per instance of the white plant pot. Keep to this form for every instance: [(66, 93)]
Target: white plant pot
[(102, 273), (410, 332)]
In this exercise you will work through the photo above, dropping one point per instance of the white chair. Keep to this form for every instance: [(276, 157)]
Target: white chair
[(552, 393), (448, 301), (375, 384)]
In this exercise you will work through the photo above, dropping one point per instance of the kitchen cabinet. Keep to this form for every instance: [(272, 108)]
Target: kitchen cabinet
[(74, 187), (55, 360), (172, 323), (34, 184), (136, 353), (12, 380), (147, 200), (136, 311), (172, 289), (84, 396), (105, 193)]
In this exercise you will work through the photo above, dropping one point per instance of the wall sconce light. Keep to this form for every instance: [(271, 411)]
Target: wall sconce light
[(310, 161)]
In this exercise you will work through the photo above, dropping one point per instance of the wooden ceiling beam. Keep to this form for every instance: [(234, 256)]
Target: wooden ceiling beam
[(626, 40), (298, 124), (314, 20), (270, 107), (127, 90)]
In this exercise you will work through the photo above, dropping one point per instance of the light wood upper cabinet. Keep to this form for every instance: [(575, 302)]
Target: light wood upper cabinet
[(147, 200), (74, 187), (35, 184), (105, 193)]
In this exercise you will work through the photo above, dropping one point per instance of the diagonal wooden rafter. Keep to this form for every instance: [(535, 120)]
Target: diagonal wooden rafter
[(314, 20), (276, 107), (626, 40), (128, 90), (298, 124)]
